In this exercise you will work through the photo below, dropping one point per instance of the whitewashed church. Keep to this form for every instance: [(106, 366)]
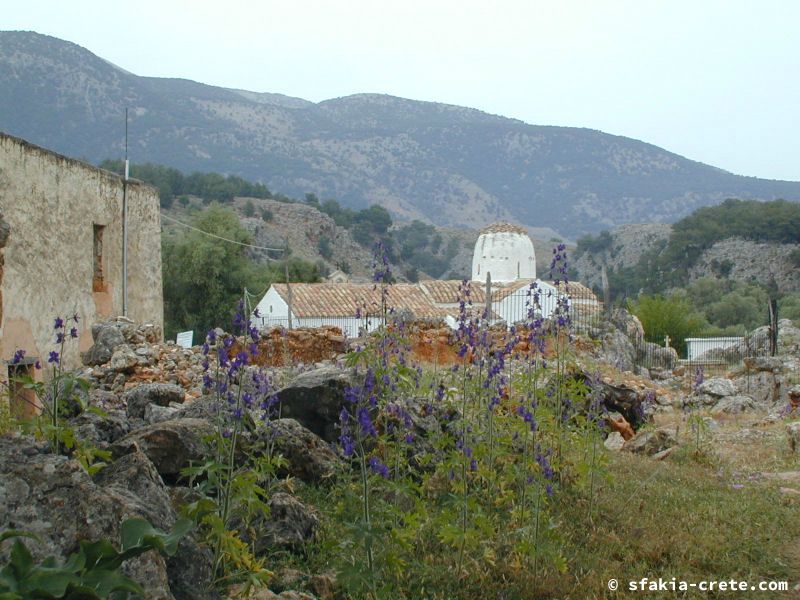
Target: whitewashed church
[(503, 251)]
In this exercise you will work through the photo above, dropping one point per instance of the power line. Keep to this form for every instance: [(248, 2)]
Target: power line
[(219, 237)]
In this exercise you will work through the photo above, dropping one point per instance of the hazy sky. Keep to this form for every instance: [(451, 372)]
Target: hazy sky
[(715, 81)]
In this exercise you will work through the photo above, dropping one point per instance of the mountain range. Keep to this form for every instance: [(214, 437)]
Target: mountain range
[(448, 165)]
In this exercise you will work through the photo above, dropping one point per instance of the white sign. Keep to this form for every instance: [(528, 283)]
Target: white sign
[(184, 339)]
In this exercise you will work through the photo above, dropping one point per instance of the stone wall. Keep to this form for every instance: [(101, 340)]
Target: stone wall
[(54, 207)]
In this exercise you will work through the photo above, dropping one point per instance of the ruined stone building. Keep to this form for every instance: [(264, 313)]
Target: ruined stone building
[(61, 253)]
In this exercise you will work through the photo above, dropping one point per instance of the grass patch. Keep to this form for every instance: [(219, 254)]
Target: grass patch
[(651, 519), (677, 520)]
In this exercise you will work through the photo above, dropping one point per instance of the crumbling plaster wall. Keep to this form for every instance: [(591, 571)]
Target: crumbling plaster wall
[(51, 204)]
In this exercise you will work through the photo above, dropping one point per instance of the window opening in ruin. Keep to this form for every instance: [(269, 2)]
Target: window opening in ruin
[(98, 280), (22, 400)]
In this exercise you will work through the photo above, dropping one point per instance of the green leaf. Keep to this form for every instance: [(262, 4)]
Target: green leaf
[(53, 582), (104, 582), (138, 533), (12, 533), (100, 554), (21, 559)]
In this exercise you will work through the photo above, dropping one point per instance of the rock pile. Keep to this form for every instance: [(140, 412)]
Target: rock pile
[(125, 355)]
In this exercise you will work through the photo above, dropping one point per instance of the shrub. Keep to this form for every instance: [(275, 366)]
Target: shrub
[(671, 316)]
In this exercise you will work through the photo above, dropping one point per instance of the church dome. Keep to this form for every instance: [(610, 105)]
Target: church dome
[(505, 251)]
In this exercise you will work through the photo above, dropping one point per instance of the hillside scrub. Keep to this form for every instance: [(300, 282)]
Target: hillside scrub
[(204, 276), (667, 266), (663, 316)]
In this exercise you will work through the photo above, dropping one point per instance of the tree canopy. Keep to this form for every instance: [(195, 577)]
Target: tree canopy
[(208, 186), (205, 277)]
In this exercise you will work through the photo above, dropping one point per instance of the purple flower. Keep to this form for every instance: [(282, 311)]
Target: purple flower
[(364, 419), (369, 380), (73, 333), (18, 356), (53, 357), (440, 392), (698, 377), (59, 323), (378, 467), (60, 338), (351, 394), (348, 447)]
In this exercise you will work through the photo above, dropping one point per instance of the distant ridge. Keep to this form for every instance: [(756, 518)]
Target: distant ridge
[(449, 165)]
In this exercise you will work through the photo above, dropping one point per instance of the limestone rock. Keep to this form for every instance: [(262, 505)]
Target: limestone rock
[(190, 572), (54, 498), (734, 404), (717, 386), (161, 394), (206, 407), (614, 441), (323, 586), (134, 472), (664, 453), (171, 445), (310, 458), (100, 430), (290, 525), (617, 349), (124, 360), (315, 399), (107, 336), (628, 323), (153, 413), (772, 364), (651, 442)]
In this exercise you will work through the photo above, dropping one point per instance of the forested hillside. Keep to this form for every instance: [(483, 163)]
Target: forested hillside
[(441, 164)]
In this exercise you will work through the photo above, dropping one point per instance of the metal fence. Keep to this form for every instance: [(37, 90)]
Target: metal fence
[(711, 353), (584, 315), (511, 310)]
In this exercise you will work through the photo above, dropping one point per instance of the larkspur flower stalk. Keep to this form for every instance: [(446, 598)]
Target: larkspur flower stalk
[(225, 363), (562, 336), (58, 379)]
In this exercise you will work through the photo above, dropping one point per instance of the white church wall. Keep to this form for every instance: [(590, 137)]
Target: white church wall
[(507, 255)]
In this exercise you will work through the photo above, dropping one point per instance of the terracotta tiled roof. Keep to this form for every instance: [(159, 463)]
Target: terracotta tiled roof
[(433, 299), (576, 291), (344, 299), (447, 292), (503, 227)]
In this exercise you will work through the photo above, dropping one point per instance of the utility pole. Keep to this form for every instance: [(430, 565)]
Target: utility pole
[(488, 296), (125, 225)]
